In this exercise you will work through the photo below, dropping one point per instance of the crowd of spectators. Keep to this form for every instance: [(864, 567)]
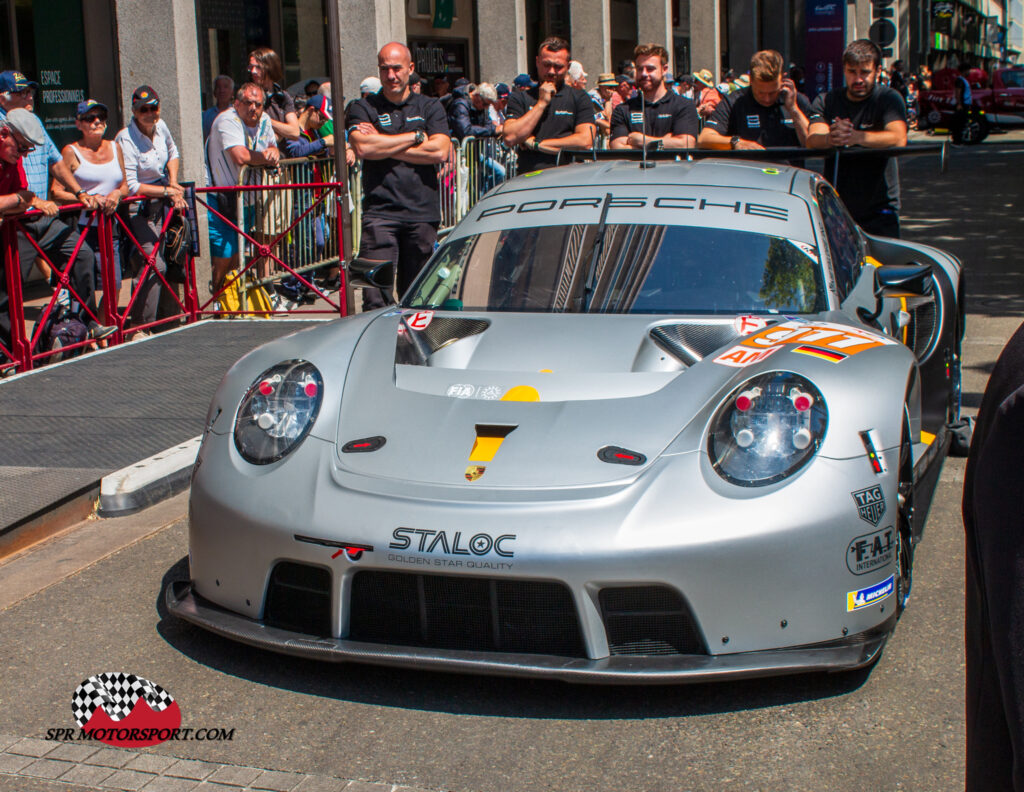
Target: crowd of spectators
[(640, 105)]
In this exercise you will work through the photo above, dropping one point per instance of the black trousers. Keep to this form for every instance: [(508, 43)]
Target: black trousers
[(57, 240), (885, 222), (994, 614), (407, 244), (957, 124)]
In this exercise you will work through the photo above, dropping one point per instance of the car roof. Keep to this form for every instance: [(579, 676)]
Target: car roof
[(704, 172), (757, 197)]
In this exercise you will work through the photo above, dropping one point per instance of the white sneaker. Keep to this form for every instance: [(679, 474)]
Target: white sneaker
[(64, 298)]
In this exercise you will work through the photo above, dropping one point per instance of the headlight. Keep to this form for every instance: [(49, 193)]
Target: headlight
[(768, 428), (277, 411)]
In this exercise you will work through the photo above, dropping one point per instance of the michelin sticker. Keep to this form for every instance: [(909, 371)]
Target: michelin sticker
[(862, 598)]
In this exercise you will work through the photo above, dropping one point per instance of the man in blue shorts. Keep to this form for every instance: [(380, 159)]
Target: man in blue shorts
[(241, 135)]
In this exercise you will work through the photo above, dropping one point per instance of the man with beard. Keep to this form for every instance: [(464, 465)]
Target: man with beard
[(550, 117), (863, 113), (656, 116), (767, 114)]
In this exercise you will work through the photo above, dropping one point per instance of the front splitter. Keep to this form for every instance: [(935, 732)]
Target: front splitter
[(846, 655)]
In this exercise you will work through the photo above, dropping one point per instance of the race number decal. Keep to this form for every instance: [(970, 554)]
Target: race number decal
[(741, 356), (419, 320), (833, 342)]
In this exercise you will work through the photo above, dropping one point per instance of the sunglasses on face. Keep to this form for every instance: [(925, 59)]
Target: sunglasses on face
[(92, 119), (23, 148), (149, 108)]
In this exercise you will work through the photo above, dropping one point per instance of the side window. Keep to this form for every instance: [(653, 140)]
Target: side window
[(843, 240)]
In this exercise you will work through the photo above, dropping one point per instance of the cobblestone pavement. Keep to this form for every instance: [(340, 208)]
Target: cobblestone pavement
[(87, 766)]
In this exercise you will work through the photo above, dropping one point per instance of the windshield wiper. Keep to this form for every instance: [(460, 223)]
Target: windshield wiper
[(602, 226)]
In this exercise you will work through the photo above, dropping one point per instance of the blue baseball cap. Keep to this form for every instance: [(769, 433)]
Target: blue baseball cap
[(15, 82), (502, 90), (524, 81), (87, 105)]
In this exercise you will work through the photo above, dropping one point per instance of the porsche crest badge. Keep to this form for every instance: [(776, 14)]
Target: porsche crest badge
[(473, 472)]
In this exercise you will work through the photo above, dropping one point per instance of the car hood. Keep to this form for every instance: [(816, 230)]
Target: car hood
[(527, 400)]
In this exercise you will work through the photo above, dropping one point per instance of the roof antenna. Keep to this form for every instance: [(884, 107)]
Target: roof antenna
[(644, 164)]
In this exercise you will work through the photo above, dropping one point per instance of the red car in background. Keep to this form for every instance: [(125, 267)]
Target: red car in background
[(996, 102)]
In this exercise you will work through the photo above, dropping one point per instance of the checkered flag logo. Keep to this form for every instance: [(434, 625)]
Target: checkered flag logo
[(117, 694)]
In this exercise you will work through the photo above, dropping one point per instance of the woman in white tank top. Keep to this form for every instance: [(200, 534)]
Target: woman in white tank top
[(98, 165)]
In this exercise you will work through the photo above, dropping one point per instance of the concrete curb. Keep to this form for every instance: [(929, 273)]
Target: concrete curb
[(150, 481)]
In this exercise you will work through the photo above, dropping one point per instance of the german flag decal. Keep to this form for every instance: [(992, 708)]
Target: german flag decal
[(818, 352)]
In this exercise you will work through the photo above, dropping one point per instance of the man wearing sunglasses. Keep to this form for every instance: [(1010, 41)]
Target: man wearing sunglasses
[(21, 133)]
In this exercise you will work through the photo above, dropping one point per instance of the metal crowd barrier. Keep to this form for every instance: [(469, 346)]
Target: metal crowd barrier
[(289, 227)]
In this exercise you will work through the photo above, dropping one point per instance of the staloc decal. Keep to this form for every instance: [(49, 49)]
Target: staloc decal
[(695, 203), (423, 540), (870, 503), (870, 551)]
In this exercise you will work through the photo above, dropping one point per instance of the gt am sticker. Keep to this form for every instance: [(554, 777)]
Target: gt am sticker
[(419, 320), (871, 551), (862, 598), (742, 356), (870, 503), (825, 340)]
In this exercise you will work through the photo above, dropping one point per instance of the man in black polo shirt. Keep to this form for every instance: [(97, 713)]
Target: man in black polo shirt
[(655, 116), (768, 114), (551, 116), (400, 136), (863, 113)]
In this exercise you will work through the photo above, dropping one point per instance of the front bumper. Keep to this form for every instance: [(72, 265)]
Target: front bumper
[(845, 655)]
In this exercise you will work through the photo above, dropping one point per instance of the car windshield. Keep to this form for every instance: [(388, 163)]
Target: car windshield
[(628, 268)]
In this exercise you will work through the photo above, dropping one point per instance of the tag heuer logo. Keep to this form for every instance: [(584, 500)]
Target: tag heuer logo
[(870, 504)]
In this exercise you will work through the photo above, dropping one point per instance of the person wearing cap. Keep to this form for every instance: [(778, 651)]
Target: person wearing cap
[(766, 113), (20, 133), (656, 116), (42, 163), (623, 90), (266, 71), (151, 164), (552, 116), (601, 96), (223, 93), (98, 164), (402, 137), (709, 96), (241, 135), (523, 82), (497, 109), (370, 85)]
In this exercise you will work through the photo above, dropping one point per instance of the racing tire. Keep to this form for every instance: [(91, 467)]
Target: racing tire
[(904, 518)]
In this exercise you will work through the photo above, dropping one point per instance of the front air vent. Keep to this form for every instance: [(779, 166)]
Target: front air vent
[(415, 347), (464, 613), (691, 343), (648, 620), (922, 327), (299, 599)]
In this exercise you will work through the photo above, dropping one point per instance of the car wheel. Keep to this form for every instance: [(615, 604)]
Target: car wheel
[(904, 518), (975, 131)]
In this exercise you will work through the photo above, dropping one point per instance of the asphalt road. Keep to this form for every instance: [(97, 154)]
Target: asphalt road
[(896, 727)]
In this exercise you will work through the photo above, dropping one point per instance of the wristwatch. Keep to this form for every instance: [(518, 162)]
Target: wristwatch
[(420, 136), (80, 192), (734, 141)]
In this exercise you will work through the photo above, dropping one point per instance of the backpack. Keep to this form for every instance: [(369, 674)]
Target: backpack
[(177, 245), (62, 329)]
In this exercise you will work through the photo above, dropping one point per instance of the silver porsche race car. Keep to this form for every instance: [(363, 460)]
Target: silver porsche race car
[(630, 424)]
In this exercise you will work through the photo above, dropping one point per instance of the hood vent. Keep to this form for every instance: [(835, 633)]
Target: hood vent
[(691, 343), (415, 347)]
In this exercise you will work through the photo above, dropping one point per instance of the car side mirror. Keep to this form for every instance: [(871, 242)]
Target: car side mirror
[(365, 273), (903, 280)]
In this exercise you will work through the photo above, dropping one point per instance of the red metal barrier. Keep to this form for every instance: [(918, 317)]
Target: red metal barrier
[(321, 192), (26, 350)]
